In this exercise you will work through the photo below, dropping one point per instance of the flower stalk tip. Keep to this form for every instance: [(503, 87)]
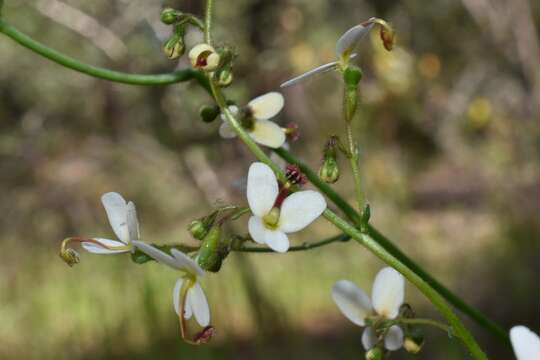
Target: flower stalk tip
[(70, 256)]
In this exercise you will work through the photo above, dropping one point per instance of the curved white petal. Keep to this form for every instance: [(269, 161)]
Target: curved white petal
[(320, 69), (266, 106), (116, 209), (186, 263), (157, 254), (132, 222), (262, 188), (352, 301), (525, 342), (388, 292), (225, 131), (199, 305), (176, 300), (394, 338), (300, 209), (369, 339), (96, 249), (276, 240), (268, 133), (349, 40)]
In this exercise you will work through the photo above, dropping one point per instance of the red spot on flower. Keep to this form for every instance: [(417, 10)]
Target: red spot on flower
[(205, 335)]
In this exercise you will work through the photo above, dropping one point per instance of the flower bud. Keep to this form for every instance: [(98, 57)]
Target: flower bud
[(212, 251), (375, 353), (70, 256), (209, 113), (413, 345), (174, 47), (225, 77), (204, 57), (329, 170), (169, 16), (198, 229), (352, 75)]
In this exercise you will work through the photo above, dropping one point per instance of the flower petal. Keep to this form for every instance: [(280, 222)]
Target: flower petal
[(388, 292), (176, 300), (369, 339), (276, 240), (266, 106), (199, 304), (132, 222), (268, 133), (185, 262), (157, 254), (300, 209), (348, 41), (320, 69), (352, 301), (225, 131), (116, 209), (96, 249), (262, 188), (525, 342), (394, 338)]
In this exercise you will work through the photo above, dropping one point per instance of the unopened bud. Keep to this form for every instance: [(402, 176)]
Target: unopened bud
[(375, 353), (198, 229), (209, 113), (225, 77), (294, 175), (70, 256), (169, 16), (413, 344), (329, 170), (174, 47), (204, 57), (212, 251)]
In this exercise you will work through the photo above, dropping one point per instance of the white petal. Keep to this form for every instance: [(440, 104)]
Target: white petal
[(352, 301), (225, 131), (268, 133), (185, 262), (199, 305), (369, 340), (233, 109), (116, 209), (394, 338), (525, 342), (132, 222), (388, 292), (96, 249), (262, 188), (157, 254), (176, 300), (300, 209), (266, 106), (320, 69), (349, 40), (276, 240)]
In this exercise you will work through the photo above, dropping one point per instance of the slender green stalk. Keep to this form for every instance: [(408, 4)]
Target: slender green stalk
[(208, 21), (428, 322), (102, 73), (423, 286), (353, 160), (452, 298), (304, 247)]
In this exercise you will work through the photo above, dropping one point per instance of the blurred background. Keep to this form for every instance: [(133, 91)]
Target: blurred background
[(450, 137)]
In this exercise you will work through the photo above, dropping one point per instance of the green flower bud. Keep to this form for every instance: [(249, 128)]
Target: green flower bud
[(209, 113), (374, 354), (70, 256), (174, 47), (414, 341), (329, 170), (212, 251), (198, 229), (169, 16), (225, 77), (352, 76)]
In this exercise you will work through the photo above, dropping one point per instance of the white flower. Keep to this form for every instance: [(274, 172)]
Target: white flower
[(204, 57), (386, 298), (123, 219), (269, 224), (257, 113), (525, 342), (344, 48), (187, 289)]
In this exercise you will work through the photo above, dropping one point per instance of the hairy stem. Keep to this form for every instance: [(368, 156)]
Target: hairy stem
[(102, 73)]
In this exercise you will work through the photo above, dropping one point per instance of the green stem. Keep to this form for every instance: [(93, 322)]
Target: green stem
[(423, 286), (304, 247), (428, 322), (102, 73), (208, 21), (353, 159), (455, 300)]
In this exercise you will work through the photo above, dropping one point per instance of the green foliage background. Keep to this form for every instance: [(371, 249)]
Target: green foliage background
[(450, 137)]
